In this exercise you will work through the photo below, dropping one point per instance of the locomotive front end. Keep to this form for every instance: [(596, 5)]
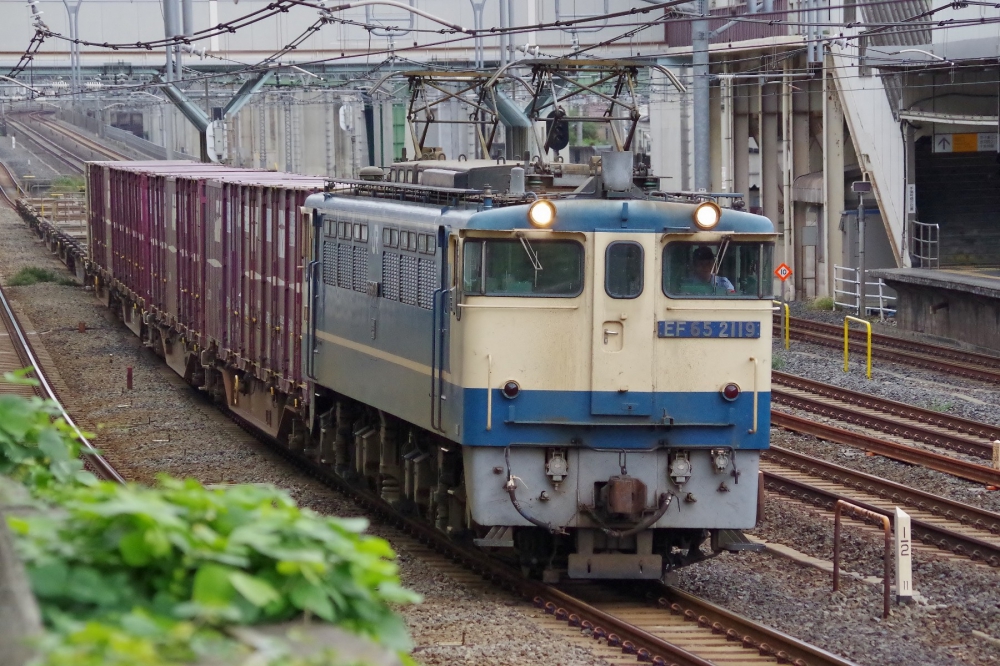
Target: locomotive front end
[(616, 359)]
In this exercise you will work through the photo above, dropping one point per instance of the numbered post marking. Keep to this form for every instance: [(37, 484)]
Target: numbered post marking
[(783, 272), (904, 557)]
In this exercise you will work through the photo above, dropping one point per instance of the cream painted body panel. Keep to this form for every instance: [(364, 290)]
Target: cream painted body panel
[(557, 344), (708, 364), (541, 343), (624, 329)]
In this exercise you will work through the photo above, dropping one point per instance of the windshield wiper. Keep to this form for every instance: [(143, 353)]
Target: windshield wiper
[(717, 266), (532, 255)]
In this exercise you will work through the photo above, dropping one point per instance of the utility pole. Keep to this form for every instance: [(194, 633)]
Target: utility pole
[(73, 14), (700, 36), (169, 29)]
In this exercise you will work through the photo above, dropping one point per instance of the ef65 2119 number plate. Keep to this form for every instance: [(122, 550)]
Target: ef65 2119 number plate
[(708, 329)]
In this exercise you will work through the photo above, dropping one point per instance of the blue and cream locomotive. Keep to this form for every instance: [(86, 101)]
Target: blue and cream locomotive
[(571, 364)]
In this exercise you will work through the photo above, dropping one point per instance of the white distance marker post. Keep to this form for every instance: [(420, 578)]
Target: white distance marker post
[(904, 558)]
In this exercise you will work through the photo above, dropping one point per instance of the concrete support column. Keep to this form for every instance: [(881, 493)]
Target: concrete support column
[(770, 192), (789, 240), (727, 153), (719, 143), (687, 138), (833, 170), (805, 255), (909, 179), (741, 139), (700, 92)]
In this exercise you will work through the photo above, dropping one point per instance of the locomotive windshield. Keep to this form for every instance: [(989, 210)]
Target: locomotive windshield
[(718, 270), (519, 267)]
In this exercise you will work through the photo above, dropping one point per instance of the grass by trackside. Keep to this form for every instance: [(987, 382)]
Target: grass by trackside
[(33, 275), (67, 184)]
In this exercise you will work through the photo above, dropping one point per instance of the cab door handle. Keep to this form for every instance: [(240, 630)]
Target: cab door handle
[(608, 332)]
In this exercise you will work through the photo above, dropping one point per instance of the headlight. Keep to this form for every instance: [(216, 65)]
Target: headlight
[(542, 213), (707, 215)]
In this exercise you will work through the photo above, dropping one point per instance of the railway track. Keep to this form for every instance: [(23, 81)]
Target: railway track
[(961, 529), (970, 365), (15, 344), (9, 189), (969, 438), (70, 159), (48, 146), (711, 632), (80, 138)]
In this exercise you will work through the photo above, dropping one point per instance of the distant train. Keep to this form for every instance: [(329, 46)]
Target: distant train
[(563, 362)]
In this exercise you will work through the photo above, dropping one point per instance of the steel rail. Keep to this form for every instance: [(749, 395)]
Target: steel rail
[(101, 467), (894, 450), (71, 160), (984, 523), (969, 365), (80, 138), (766, 640), (899, 409), (888, 421), (888, 424), (3, 190), (894, 342), (550, 600)]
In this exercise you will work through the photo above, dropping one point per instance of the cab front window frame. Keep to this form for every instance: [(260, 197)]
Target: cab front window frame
[(523, 267), (745, 269)]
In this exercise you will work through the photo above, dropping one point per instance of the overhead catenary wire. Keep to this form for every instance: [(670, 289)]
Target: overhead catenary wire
[(658, 21)]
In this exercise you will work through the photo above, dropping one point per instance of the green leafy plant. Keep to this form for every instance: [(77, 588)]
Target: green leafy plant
[(37, 448), (33, 275), (777, 362), (940, 406), (143, 639), (125, 572), (242, 554), (67, 184), (822, 303)]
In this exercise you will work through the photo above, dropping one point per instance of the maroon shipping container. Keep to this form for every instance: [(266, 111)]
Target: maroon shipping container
[(254, 268), (209, 253)]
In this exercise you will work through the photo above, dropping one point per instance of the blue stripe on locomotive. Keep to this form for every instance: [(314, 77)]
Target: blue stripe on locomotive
[(557, 417), (630, 215), (544, 417)]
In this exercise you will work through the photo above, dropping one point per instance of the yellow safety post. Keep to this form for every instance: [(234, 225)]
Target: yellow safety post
[(847, 320), (788, 319)]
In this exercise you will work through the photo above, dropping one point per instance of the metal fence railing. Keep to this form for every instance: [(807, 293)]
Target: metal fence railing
[(925, 245), (847, 295)]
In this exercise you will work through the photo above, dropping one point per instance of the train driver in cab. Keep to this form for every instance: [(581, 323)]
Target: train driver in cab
[(701, 280)]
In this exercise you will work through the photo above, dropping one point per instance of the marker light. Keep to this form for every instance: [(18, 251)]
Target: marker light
[(730, 391), (707, 215), (511, 389), (542, 213)]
